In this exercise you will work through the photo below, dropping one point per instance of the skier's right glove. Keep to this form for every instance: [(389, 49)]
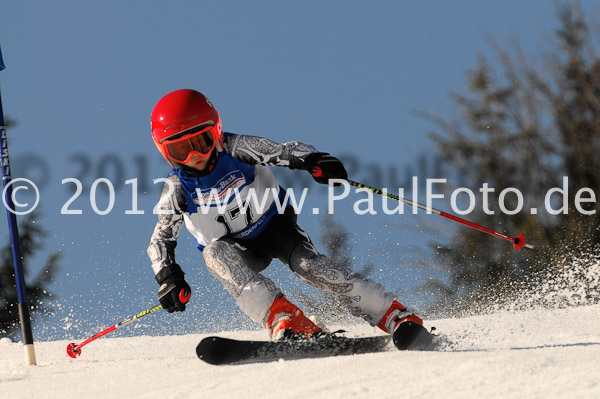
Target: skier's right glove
[(174, 292)]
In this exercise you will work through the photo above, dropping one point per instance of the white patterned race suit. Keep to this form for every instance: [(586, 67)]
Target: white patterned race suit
[(233, 214)]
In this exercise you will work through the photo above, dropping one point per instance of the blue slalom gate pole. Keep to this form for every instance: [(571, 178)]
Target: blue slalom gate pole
[(24, 318)]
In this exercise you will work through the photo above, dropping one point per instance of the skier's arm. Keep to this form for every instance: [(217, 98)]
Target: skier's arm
[(293, 154), (174, 291), (259, 150), (170, 219)]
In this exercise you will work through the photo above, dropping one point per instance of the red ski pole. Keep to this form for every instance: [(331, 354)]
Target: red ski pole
[(518, 241), (74, 350)]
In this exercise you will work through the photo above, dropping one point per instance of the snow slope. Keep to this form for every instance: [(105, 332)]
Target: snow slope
[(531, 354)]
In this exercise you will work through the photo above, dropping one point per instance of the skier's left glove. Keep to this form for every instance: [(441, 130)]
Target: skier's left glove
[(323, 167), (174, 292)]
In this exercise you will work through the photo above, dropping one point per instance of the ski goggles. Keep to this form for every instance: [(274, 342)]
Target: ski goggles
[(201, 141)]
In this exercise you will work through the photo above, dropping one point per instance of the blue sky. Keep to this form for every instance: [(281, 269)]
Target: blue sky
[(347, 77)]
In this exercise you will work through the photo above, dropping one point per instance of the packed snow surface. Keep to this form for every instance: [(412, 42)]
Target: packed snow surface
[(531, 354)]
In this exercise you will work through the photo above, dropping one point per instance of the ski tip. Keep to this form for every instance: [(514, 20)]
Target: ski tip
[(212, 350), (412, 336)]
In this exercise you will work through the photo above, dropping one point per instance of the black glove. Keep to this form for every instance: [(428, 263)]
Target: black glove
[(174, 292), (323, 167)]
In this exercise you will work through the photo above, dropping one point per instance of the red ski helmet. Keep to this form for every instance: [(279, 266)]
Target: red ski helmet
[(183, 111)]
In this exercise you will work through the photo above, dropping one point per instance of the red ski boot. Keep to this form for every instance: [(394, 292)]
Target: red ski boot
[(397, 314), (285, 321)]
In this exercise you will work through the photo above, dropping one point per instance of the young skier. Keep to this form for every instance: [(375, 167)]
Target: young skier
[(212, 167)]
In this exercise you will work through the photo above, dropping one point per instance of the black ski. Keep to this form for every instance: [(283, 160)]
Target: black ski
[(218, 350), (413, 336)]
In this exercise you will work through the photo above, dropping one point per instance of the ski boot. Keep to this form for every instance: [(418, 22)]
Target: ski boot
[(285, 321), (406, 328)]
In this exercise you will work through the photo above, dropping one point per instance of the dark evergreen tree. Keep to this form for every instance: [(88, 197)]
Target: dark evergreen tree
[(524, 124), (38, 296)]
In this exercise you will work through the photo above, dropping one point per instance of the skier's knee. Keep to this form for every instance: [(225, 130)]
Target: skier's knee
[(303, 252), (215, 250)]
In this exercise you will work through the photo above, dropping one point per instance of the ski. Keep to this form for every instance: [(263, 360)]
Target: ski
[(413, 336), (219, 351)]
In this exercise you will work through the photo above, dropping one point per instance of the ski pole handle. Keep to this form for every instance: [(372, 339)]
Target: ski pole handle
[(184, 296)]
